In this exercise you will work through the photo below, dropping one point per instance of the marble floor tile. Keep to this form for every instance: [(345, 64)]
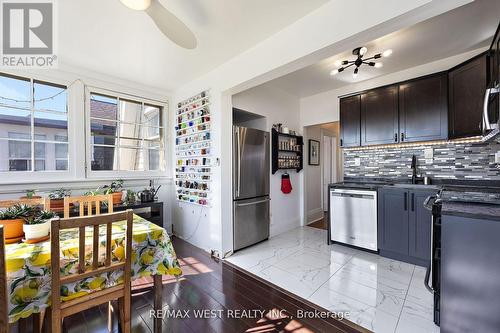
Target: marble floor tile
[(380, 294)]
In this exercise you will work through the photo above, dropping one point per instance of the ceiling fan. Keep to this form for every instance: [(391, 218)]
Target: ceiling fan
[(167, 22)]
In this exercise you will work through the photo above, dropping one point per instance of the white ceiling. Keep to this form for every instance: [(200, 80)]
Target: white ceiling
[(464, 29), (107, 37)]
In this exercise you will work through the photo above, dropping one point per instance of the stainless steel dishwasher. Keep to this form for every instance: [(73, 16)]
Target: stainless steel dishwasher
[(353, 217)]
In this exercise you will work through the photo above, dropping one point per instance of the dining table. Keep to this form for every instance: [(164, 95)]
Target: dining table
[(29, 277)]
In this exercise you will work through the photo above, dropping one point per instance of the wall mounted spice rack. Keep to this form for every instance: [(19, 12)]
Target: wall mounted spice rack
[(287, 151), (193, 174)]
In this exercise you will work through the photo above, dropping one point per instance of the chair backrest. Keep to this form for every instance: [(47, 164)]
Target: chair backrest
[(80, 223), (4, 314), (88, 202), (45, 202)]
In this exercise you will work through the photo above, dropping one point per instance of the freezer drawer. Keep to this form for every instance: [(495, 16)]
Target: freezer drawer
[(250, 221), (353, 216)]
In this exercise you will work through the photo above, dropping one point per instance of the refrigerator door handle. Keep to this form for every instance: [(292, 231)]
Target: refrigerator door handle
[(252, 203), (238, 169)]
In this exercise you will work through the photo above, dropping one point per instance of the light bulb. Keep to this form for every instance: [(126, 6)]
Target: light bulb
[(386, 53), (338, 63), (334, 72), (137, 4), (379, 65), (354, 75), (363, 50)]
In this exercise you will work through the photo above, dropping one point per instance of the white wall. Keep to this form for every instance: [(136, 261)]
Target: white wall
[(278, 107), (313, 182), (324, 107)]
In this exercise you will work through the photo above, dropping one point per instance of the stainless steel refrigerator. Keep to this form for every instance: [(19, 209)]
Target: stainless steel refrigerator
[(250, 186)]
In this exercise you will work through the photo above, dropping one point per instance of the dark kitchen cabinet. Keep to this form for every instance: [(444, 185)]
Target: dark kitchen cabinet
[(379, 116), (423, 109), (466, 86), (404, 225), (350, 108), (393, 220)]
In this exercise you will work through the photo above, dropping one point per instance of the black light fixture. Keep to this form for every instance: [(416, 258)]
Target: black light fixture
[(359, 52)]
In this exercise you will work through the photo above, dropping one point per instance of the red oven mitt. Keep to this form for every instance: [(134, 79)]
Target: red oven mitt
[(286, 185)]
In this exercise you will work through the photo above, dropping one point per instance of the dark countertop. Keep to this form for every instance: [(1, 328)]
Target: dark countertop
[(473, 210)]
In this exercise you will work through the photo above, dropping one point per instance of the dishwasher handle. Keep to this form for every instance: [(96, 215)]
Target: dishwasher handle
[(353, 195)]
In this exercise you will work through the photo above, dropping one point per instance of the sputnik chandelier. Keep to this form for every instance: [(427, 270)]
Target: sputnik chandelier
[(359, 52)]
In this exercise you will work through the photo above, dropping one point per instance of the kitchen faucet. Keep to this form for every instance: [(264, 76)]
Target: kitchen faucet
[(414, 169)]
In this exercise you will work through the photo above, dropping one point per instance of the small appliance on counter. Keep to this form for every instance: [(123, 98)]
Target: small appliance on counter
[(149, 194)]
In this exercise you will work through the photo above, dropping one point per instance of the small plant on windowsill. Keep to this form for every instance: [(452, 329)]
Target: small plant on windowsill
[(57, 199), (115, 188), (37, 224), (30, 194)]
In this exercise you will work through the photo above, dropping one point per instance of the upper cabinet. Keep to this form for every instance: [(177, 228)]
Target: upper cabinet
[(350, 108), (467, 85), (423, 109), (379, 116)]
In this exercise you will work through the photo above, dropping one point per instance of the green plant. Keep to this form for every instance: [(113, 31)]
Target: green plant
[(39, 217), (18, 211), (131, 196), (115, 186), (59, 194), (30, 194), (95, 192)]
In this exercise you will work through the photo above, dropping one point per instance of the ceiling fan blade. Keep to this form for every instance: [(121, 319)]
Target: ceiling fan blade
[(171, 26)]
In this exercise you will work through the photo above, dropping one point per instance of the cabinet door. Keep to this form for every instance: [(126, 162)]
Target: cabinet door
[(379, 116), (423, 109), (393, 221), (350, 121), (419, 231), (467, 84)]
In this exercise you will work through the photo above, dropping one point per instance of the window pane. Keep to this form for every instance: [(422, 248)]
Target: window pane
[(152, 144), (130, 143), (19, 149), (61, 151), (152, 115), (130, 112), (14, 120), (103, 107), (39, 150), (51, 124), (103, 127), (131, 159), (154, 159), (19, 165), (16, 91), (130, 130), (103, 158), (151, 132), (39, 165), (46, 99), (61, 164), (18, 155)]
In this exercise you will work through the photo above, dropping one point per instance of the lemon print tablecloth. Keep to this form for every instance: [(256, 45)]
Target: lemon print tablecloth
[(28, 265)]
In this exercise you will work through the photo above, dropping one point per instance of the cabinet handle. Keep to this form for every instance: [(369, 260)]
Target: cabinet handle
[(396, 137), (413, 202), (406, 201), (402, 137), (341, 142)]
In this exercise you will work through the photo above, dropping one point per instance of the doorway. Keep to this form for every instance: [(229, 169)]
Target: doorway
[(318, 176)]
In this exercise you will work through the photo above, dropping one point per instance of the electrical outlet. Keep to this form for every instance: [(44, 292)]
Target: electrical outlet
[(497, 157), (429, 153), (357, 161)]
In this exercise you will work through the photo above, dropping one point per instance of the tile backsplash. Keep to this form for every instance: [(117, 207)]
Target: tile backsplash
[(451, 161)]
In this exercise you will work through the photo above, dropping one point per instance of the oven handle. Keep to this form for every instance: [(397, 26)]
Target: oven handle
[(430, 268), (427, 277)]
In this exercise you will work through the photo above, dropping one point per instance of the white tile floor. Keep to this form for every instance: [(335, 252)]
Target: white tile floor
[(380, 294)]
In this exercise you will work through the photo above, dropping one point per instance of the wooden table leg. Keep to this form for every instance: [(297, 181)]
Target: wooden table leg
[(158, 289)]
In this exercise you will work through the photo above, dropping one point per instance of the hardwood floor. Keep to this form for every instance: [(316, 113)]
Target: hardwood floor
[(209, 284), (320, 224)]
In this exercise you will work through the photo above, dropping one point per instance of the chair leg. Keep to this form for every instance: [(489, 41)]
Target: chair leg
[(55, 324), (125, 309), (37, 322)]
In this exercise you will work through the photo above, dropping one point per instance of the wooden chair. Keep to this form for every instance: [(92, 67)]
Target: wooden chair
[(45, 202), (89, 202), (121, 292), (4, 309)]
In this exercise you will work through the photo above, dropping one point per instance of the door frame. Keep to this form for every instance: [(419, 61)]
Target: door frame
[(327, 133)]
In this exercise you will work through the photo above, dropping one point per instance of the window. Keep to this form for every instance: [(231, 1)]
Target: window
[(126, 134), (33, 125)]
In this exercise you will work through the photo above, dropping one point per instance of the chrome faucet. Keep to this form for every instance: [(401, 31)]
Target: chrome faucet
[(414, 169)]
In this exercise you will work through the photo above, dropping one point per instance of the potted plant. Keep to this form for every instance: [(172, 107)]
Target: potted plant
[(57, 199), (12, 220), (115, 188), (37, 224), (30, 194), (130, 197)]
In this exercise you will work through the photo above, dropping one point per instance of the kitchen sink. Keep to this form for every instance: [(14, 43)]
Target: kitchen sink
[(422, 186)]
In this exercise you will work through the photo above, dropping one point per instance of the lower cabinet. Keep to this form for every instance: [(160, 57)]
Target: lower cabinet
[(404, 225)]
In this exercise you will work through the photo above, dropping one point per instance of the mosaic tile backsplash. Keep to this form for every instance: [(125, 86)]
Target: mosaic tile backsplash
[(451, 161)]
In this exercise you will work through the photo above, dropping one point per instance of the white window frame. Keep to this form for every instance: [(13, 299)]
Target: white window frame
[(7, 177), (114, 174)]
